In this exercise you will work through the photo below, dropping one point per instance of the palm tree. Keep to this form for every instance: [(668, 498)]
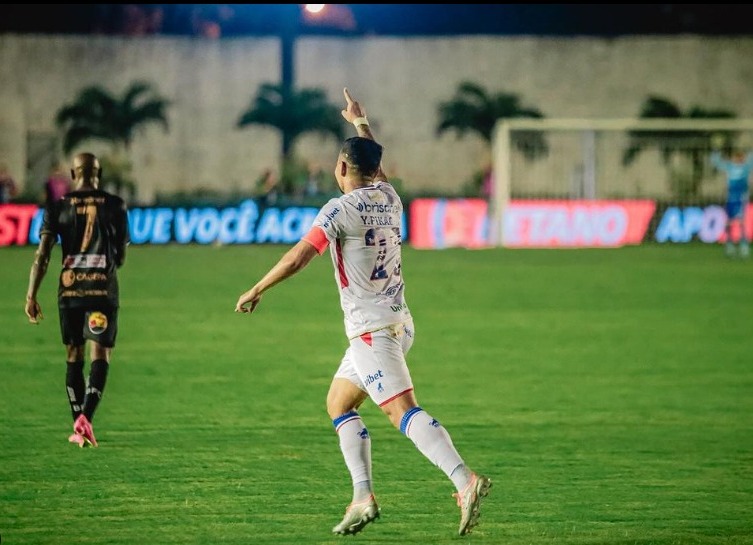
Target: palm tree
[(96, 114), (689, 147), (474, 110), (294, 113)]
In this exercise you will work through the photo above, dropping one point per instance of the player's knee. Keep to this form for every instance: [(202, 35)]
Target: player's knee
[(100, 352), (394, 414), (339, 405), (394, 419), (74, 352)]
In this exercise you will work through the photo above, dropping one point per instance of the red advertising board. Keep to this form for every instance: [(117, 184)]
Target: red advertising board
[(576, 224), (447, 223), (15, 222)]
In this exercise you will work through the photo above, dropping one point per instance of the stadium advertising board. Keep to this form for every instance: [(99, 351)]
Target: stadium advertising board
[(242, 224), (434, 224), (683, 224), (17, 221), (247, 223), (440, 223), (449, 223), (576, 224)]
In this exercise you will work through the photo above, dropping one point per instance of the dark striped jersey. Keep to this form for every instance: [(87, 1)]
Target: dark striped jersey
[(92, 226)]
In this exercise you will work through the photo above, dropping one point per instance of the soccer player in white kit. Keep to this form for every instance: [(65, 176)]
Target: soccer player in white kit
[(362, 230)]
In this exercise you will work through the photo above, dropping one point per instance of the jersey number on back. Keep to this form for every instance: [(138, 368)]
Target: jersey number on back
[(90, 211), (382, 238)]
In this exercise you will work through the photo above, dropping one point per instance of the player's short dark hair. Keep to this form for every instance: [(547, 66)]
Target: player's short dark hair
[(363, 153)]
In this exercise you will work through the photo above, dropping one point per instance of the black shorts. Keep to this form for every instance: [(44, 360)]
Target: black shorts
[(79, 324)]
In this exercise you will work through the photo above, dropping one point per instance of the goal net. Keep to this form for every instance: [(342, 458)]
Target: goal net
[(582, 162)]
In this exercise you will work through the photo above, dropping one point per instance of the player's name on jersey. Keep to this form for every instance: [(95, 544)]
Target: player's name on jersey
[(379, 221)]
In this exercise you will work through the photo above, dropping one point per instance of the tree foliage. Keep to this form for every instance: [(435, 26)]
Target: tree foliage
[(684, 153), (97, 114), (475, 110), (294, 113)]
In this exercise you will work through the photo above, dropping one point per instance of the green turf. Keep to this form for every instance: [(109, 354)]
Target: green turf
[(608, 393)]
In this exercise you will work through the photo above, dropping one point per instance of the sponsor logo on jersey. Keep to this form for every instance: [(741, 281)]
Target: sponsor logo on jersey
[(67, 278), (392, 290), (85, 261), (330, 216), (373, 378), (87, 200), (84, 293), (377, 208), (97, 322)]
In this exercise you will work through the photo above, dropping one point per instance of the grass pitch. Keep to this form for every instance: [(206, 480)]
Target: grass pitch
[(608, 393)]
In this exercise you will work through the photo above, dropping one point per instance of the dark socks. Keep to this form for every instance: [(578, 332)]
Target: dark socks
[(75, 386), (97, 380)]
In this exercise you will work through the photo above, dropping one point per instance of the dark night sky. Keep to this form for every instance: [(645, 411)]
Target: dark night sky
[(398, 19)]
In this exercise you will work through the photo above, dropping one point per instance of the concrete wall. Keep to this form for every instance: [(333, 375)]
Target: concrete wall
[(401, 81)]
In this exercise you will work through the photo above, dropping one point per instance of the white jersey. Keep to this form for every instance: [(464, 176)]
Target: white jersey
[(363, 231)]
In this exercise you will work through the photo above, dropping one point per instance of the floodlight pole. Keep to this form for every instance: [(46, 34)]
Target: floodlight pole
[(289, 30), (287, 61)]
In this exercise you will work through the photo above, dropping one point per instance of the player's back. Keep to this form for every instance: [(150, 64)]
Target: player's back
[(92, 226), (367, 257), (90, 223)]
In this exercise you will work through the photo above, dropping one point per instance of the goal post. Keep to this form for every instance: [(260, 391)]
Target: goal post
[(591, 160)]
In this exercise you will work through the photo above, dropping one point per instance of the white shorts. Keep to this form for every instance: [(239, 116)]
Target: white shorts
[(375, 362)]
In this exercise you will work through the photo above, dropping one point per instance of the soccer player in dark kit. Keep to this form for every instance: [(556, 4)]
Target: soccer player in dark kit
[(92, 226)]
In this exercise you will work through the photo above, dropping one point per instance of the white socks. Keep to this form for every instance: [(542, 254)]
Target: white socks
[(433, 441), (355, 444), (429, 436)]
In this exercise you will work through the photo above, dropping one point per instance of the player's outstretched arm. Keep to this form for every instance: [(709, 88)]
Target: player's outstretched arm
[(293, 261)]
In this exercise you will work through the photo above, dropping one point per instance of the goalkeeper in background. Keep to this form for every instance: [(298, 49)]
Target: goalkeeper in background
[(737, 169)]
